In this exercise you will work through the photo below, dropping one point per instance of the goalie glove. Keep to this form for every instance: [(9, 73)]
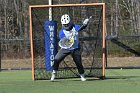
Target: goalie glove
[(86, 21)]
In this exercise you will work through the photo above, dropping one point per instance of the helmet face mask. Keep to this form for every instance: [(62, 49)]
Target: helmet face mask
[(66, 22), (67, 26)]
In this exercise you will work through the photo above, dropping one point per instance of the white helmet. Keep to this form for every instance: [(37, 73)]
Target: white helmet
[(65, 19)]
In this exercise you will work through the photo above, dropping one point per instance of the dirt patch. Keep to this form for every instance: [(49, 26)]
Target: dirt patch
[(111, 62), (16, 64), (123, 62)]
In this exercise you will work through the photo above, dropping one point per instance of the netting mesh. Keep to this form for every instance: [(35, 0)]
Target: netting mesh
[(90, 40)]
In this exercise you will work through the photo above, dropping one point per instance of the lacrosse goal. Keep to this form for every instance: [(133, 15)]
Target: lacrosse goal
[(92, 39)]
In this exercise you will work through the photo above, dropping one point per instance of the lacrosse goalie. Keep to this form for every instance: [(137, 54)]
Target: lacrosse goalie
[(69, 43)]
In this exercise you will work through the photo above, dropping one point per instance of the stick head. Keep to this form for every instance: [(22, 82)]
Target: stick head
[(66, 43)]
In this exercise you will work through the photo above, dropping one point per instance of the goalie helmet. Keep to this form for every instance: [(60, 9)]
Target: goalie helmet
[(65, 19), (66, 22)]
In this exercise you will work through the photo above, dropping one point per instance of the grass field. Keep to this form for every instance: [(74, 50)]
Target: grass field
[(117, 81)]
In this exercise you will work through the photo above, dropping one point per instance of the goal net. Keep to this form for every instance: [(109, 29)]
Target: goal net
[(92, 39)]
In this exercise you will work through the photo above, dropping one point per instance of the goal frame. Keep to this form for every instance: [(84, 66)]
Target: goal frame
[(67, 5)]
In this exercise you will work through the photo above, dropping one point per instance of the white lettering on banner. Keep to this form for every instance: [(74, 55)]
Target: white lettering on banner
[(52, 57), (51, 34), (51, 51), (52, 62), (51, 28), (51, 45)]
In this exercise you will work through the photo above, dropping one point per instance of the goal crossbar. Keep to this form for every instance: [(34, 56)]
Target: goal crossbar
[(66, 5)]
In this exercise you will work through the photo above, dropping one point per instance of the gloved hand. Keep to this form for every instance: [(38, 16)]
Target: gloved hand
[(86, 21)]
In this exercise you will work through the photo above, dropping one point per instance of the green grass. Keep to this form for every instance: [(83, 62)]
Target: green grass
[(117, 81)]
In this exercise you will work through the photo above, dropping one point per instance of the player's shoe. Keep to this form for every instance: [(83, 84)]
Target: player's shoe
[(82, 77), (53, 75)]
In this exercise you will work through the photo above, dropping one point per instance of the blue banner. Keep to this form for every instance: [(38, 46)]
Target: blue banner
[(50, 35)]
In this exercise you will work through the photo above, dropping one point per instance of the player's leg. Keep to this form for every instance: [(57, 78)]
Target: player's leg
[(62, 53), (78, 61)]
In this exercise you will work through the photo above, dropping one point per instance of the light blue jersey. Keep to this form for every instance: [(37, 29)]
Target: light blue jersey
[(63, 33)]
